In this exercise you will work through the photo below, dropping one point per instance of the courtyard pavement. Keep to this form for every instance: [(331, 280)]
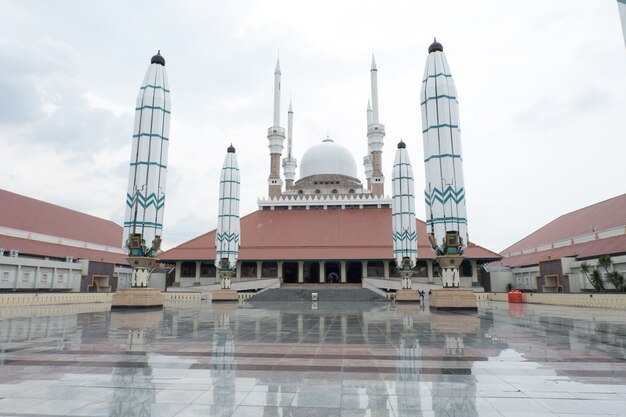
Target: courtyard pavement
[(306, 359)]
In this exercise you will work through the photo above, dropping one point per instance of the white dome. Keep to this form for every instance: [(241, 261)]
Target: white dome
[(327, 158)]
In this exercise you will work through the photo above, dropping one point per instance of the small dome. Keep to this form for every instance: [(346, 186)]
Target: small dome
[(327, 158), (158, 59), (401, 145), (231, 149), (435, 46)]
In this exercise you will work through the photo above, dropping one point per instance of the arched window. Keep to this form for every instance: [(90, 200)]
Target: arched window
[(300, 192), (317, 191), (351, 191), (334, 191)]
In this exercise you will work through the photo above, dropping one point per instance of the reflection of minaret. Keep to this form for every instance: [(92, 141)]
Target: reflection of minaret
[(134, 392), (222, 365), (454, 390), (276, 137), (375, 137), (145, 198), (408, 371), (289, 163)]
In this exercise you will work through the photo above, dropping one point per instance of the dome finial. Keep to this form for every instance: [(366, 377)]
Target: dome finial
[(158, 59), (231, 149), (435, 46)]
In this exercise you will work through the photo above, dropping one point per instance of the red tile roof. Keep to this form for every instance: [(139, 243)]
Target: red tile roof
[(609, 246), (315, 235), (25, 213), (605, 215), (36, 216)]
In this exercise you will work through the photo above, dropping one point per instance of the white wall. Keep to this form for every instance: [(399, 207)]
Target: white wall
[(20, 273)]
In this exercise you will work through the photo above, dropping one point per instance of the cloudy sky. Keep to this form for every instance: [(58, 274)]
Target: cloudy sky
[(541, 85)]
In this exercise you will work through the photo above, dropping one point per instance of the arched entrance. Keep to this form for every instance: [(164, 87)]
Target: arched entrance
[(332, 272), (290, 272), (354, 272)]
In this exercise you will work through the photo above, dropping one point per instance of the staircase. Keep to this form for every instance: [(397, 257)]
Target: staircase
[(324, 294)]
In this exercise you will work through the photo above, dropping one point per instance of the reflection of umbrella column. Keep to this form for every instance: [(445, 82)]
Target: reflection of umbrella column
[(408, 371), (223, 365), (134, 392), (454, 390)]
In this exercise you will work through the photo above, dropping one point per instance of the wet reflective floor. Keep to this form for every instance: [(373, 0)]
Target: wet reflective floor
[(313, 359)]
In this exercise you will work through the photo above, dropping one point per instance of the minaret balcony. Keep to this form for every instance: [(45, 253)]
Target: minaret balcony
[(376, 128), (276, 131)]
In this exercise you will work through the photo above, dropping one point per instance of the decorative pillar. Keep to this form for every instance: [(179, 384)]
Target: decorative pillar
[(279, 272), (343, 271), (474, 270), (176, 274), (300, 271), (238, 274), (322, 271), (386, 269), (196, 281), (259, 269), (429, 271), (364, 268)]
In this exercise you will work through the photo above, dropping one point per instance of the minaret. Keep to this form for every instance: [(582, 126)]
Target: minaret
[(145, 197), (276, 136), (289, 163), (227, 234), (367, 160), (375, 137), (403, 215), (443, 160)]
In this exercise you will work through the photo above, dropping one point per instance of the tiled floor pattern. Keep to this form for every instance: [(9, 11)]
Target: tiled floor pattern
[(305, 359)]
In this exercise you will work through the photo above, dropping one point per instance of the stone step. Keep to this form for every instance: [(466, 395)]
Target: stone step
[(323, 294)]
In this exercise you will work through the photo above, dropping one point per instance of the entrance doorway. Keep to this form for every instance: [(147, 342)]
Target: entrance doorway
[(332, 273), (311, 272), (354, 272), (290, 272)]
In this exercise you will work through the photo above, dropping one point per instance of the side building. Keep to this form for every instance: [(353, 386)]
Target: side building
[(550, 258), (52, 248)]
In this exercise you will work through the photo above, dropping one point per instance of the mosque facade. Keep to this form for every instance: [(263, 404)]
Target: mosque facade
[(326, 225)]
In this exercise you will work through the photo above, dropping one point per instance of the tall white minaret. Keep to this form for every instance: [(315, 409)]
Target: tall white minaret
[(404, 231), (289, 163), (276, 137), (375, 137), (446, 218), (145, 196), (367, 160)]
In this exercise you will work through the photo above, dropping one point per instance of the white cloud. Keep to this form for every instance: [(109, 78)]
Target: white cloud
[(540, 85)]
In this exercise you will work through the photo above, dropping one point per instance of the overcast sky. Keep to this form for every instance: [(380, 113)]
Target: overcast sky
[(541, 86)]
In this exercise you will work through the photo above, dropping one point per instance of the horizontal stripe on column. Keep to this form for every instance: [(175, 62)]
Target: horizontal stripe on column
[(156, 87), (437, 98), (445, 155), (152, 108), (148, 163), (441, 74), (152, 135), (440, 126)]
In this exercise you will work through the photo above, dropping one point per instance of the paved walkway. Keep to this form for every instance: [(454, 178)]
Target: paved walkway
[(307, 360)]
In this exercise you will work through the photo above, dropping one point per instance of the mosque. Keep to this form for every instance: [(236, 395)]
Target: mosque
[(326, 226)]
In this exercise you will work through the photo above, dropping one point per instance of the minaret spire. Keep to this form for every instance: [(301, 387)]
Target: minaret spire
[(374, 81), (276, 137), (277, 75), (375, 137), (289, 163)]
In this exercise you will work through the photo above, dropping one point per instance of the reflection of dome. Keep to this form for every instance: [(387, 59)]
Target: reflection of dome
[(327, 158)]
